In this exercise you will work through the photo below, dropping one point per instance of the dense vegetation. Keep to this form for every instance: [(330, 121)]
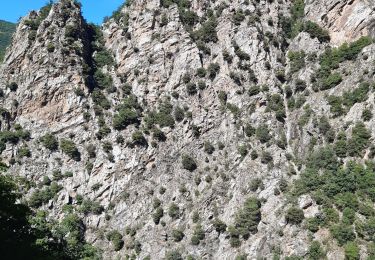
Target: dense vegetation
[(28, 234), (6, 31)]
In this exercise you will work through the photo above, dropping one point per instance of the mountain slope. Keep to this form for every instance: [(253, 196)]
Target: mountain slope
[(197, 129), (6, 31)]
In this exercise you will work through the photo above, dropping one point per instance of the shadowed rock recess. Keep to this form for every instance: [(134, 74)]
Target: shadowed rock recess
[(191, 129)]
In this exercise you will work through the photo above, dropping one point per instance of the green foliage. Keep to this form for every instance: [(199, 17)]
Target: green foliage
[(99, 99), (359, 141), (242, 150), (177, 235), (248, 218), (191, 88), (174, 211), (212, 70), (297, 60), (68, 147), (103, 80), (332, 58), (315, 251), (208, 147), (157, 215), (163, 117), (188, 163), (89, 206), (173, 255), (343, 233), (116, 238), (219, 225), (238, 17), (316, 31), (207, 31), (139, 139), (352, 251), (50, 142), (128, 113), (6, 31), (102, 58), (40, 197), (294, 216), (198, 235), (254, 90), (24, 151), (262, 133)]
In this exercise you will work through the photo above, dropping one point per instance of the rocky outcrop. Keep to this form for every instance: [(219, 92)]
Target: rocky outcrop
[(240, 110), (346, 20)]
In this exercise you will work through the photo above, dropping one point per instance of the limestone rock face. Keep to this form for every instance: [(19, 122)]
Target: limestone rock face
[(45, 71), (246, 102), (346, 20)]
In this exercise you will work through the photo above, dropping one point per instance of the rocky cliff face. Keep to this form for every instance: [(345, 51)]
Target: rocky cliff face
[(346, 20), (183, 126)]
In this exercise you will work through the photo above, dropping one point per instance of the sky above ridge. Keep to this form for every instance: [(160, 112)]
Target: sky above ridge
[(93, 10)]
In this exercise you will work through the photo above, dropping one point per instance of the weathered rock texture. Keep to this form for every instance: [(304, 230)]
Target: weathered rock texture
[(153, 58), (346, 20)]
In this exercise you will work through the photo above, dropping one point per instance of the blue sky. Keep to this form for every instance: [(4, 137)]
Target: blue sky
[(93, 10)]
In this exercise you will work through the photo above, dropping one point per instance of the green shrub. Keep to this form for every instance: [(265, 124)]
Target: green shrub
[(50, 47), (159, 135), (139, 139), (128, 113), (312, 224), (103, 80), (40, 197), (242, 150), (50, 142), (191, 88), (174, 211), (331, 81), (316, 31), (219, 225), (238, 17), (262, 133), (89, 206), (157, 215), (24, 151), (103, 58), (352, 251), (208, 147), (198, 235), (207, 32), (248, 218), (240, 53), (315, 251), (367, 114), (177, 235), (68, 147), (360, 139), (173, 255), (249, 130), (343, 233), (163, 117), (254, 90), (188, 163), (116, 238), (294, 216), (266, 157), (99, 99), (255, 184), (223, 97), (297, 60), (212, 70)]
